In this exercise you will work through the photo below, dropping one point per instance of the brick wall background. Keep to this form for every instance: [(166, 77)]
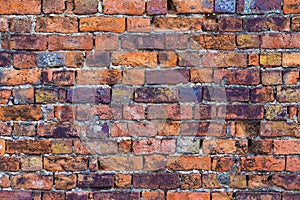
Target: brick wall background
[(149, 99)]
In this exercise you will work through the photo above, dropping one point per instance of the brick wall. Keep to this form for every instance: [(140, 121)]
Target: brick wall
[(149, 99)]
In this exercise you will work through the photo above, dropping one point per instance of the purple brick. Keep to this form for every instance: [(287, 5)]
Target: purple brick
[(156, 181), (15, 195), (89, 95), (189, 94), (157, 7), (134, 42), (116, 195), (256, 195), (95, 181), (167, 76), (5, 59), (98, 59), (258, 6), (77, 196)]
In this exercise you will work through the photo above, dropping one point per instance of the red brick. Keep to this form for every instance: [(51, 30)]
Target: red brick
[(134, 112), (291, 59), (53, 6), (242, 111), (24, 61), (152, 146), (157, 7), (11, 164), (223, 164), (188, 196), (32, 181), (25, 42), (4, 96), (85, 6), (291, 77), (57, 42), (51, 196), (121, 163), (138, 25), (287, 181), (296, 23), (201, 75), (107, 42), (20, 113), (95, 181), (292, 164), (279, 129), (5, 129), (103, 24), (203, 129), (258, 181), (74, 59), (190, 181), (280, 41), (5, 182), (210, 181), (148, 59), (4, 24), (230, 24), (23, 96), (187, 163), (28, 147), (262, 163), (20, 25), (223, 146), (285, 147), (291, 6), (123, 180), (241, 77), (130, 7), (20, 7), (257, 195), (65, 163), (193, 6), (222, 196), (260, 147), (153, 195), (148, 41), (177, 23), (95, 77), (253, 59), (57, 24), (134, 77), (223, 60)]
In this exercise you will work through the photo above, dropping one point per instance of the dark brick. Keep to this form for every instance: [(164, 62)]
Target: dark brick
[(256, 195), (227, 6), (156, 95), (157, 7), (58, 130), (89, 95), (95, 181), (77, 196), (190, 94), (134, 42), (274, 23), (243, 111), (97, 59), (167, 76), (50, 59), (15, 195), (28, 147), (11, 164), (287, 181), (189, 59), (5, 59), (116, 195), (156, 181)]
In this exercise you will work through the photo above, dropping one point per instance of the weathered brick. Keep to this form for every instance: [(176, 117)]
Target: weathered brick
[(188, 195), (20, 25), (9, 163), (201, 75), (187, 163), (57, 130), (65, 163), (243, 111), (177, 23), (20, 113), (260, 147), (262, 163), (290, 196), (102, 111), (130, 77), (291, 59), (167, 76), (241, 77), (95, 181), (89, 95), (32, 181), (276, 112), (5, 59), (15, 195), (20, 7), (74, 59), (271, 77), (280, 41), (4, 24), (123, 180), (51, 195), (138, 25), (46, 96), (296, 23), (156, 181), (116, 195), (203, 111), (286, 147), (53, 6), (223, 164), (24, 129), (176, 41), (230, 24), (211, 181), (95, 146), (190, 181), (121, 163), (225, 94), (107, 42), (157, 7), (279, 129), (288, 94), (225, 146), (85, 6), (103, 24), (287, 181), (261, 23), (270, 59), (63, 78), (28, 147), (134, 42), (57, 24), (135, 112), (258, 181), (23, 96), (4, 96), (258, 6), (25, 42), (61, 146), (291, 77), (135, 59), (32, 163), (50, 59), (151, 145), (248, 41), (167, 59), (24, 60), (292, 164), (130, 7), (159, 95), (253, 59), (223, 60), (77, 195), (59, 42), (257, 195), (194, 6), (219, 42), (225, 6), (262, 94), (97, 59), (95, 77), (150, 195), (203, 129), (291, 6), (222, 195)]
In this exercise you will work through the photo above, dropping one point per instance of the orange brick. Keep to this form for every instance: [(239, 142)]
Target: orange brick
[(57, 24), (107, 42), (105, 24), (138, 25), (262, 163), (188, 163), (20, 7), (147, 59), (130, 7), (194, 6), (57, 42)]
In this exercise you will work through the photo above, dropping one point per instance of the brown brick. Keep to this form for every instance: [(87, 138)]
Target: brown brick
[(168, 128), (262, 94), (4, 24), (253, 59), (138, 25), (277, 41), (167, 59), (51, 195), (187, 163), (5, 182), (222, 146), (95, 181), (65, 163), (230, 24), (176, 41), (130, 7), (241, 77), (28, 147), (190, 181), (24, 61), (57, 24), (291, 6), (193, 6), (288, 94), (25, 42), (20, 113), (32, 163), (151, 94), (63, 78), (61, 146), (296, 23), (271, 77), (177, 23), (123, 180), (258, 181), (4, 96), (134, 77), (223, 60), (121, 163), (222, 196), (11, 164), (260, 147), (210, 181), (151, 145), (95, 77), (223, 164), (5, 59), (53, 6), (201, 75), (32, 181), (20, 25), (85, 6), (20, 7), (286, 147), (287, 181), (219, 42), (156, 181), (103, 24), (262, 163), (279, 129), (58, 42), (74, 59), (248, 41), (147, 59), (107, 42)]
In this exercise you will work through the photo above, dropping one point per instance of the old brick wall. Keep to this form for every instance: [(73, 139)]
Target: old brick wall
[(149, 99)]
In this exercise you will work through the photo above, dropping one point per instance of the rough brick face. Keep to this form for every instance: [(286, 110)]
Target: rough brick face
[(149, 99)]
